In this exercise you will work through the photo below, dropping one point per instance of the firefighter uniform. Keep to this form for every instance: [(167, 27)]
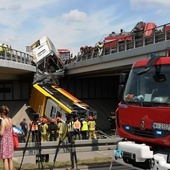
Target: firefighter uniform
[(92, 128), (43, 130), (59, 129)]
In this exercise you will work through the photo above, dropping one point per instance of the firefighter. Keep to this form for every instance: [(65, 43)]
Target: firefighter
[(92, 127), (43, 130), (4, 48), (59, 128)]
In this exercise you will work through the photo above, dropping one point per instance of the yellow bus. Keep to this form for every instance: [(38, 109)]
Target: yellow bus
[(50, 101)]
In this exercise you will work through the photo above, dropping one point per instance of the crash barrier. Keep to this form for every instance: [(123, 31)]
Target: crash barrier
[(80, 145), (7, 53)]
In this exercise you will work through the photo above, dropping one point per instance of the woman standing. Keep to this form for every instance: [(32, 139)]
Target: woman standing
[(6, 139)]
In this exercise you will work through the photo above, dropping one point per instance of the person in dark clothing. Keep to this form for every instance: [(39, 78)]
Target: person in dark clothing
[(70, 132), (24, 127), (52, 129), (111, 119)]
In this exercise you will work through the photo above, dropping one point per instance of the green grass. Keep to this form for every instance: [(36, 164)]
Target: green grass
[(60, 164)]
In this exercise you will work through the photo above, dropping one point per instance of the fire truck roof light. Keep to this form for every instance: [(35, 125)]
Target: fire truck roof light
[(153, 55)]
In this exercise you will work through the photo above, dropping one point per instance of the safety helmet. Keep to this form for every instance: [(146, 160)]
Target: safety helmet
[(90, 118), (58, 118), (44, 120)]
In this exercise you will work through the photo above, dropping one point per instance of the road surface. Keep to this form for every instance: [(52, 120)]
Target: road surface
[(115, 166), (81, 156)]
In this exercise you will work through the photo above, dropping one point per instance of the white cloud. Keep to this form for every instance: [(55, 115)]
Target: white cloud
[(74, 16)]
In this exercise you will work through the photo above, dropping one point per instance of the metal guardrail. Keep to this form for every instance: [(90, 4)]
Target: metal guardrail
[(160, 34), (7, 53), (80, 145)]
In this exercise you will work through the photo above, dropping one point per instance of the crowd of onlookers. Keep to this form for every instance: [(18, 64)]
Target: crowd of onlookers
[(43, 129)]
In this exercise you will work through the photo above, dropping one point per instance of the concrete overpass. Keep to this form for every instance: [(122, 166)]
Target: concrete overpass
[(113, 63)]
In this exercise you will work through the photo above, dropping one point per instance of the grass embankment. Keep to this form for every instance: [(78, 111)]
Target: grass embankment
[(60, 164)]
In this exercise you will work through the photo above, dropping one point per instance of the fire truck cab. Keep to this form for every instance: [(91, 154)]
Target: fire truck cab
[(142, 116)]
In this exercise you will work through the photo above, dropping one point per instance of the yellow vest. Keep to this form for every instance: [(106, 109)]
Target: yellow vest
[(70, 126), (84, 126)]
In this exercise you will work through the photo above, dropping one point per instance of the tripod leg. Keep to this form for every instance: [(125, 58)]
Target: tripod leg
[(25, 149), (38, 145), (56, 152), (73, 158)]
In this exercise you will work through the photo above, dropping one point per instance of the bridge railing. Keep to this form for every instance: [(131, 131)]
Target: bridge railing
[(7, 53), (131, 41)]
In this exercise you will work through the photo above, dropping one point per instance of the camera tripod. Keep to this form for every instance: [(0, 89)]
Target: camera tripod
[(73, 155), (37, 140)]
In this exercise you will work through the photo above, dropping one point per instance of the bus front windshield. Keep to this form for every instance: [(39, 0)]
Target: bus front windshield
[(151, 86)]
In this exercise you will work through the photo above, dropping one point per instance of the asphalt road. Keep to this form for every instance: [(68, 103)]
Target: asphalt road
[(81, 156), (115, 166)]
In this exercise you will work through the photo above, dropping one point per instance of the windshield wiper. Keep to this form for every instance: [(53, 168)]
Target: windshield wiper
[(149, 64)]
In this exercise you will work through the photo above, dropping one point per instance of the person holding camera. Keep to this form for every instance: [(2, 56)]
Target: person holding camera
[(34, 131)]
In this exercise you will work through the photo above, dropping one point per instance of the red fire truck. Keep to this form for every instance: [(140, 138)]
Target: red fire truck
[(141, 29), (142, 116)]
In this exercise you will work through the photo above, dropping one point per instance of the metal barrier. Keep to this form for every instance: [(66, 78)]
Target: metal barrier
[(7, 53), (80, 145)]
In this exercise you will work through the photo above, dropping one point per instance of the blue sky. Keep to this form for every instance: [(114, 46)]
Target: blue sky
[(74, 23)]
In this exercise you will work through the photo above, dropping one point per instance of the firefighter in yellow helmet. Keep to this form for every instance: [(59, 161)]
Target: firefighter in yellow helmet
[(92, 127)]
